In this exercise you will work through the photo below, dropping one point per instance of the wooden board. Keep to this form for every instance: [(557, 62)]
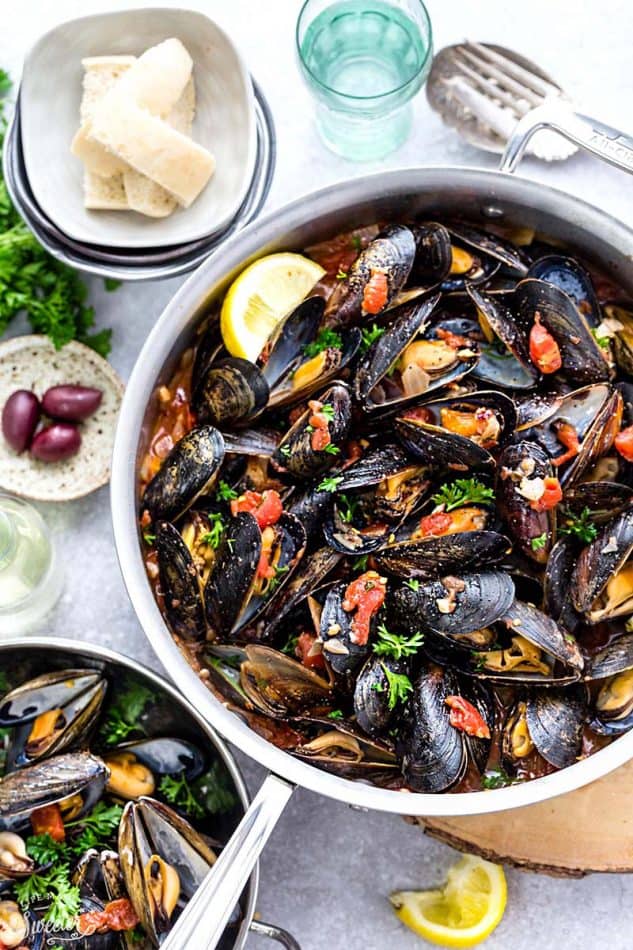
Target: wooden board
[(588, 830)]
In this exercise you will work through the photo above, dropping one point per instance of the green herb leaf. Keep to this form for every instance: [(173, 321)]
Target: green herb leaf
[(215, 790), (336, 714), (347, 507), (52, 885), (327, 410), (329, 483), (495, 778), (178, 792), (45, 850), (357, 244), (360, 563), (214, 536), (4, 682), (341, 274), (285, 451), (332, 449), (275, 581), (124, 713), (396, 646), (413, 584), (325, 340), (399, 686), (369, 335), (537, 544), (102, 823), (149, 538), (290, 645), (111, 283), (224, 492), (602, 341), (579, 525), (463, 491)]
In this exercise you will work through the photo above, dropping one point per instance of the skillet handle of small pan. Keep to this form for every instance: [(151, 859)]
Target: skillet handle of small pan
[(594, 136), (203, 920), (275, 933)]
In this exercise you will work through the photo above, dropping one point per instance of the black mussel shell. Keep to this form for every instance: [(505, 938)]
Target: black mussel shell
[(295, 452), (570, 277), (616, 657), (434, 556), (311, 506), (583, 359), (309, 576), (456, 606), (280, 686), (511, 369), (556, 584), (373, 708), (532, 530), (433, 753), (622, 311), (340, 649), (309, 374), (49, 782), (556, 719), (613, 704), (427, 437), (258, 442), (289, 340), (189, 470), (232, 392), (392, 253), (231, 581), (433, 254), (180, 584), (491, 244), (346, 751), (598, 564), (166, 755), (603, 499)]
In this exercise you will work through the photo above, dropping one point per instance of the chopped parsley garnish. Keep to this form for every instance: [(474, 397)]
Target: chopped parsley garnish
[(327, 410), (51, 885), (178, 792), (224, 492), (602, 341), (537, 544), (357, 244), (360, 563), (215, 790), (336, 714), (398, 684), (214, 536), (396, 646), (124, 714), (149, 538), (325, 340), (463, 491), (111, 283), (580, 525), (329, 483), (495, 778), (290, 645), (332, 449), (275, 581), (97, 828), (341, 274), (285, 451), (347, 507), (369, 335), (413, 584)]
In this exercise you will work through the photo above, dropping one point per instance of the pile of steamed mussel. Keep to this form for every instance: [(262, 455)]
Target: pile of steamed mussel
[(101, 841), (399, 543)]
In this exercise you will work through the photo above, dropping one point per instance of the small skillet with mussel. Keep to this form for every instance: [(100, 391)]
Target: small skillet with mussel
[(115, 801)]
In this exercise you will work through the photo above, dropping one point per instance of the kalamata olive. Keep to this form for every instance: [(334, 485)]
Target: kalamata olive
[(19, 418), (71, 403), (56, 443)]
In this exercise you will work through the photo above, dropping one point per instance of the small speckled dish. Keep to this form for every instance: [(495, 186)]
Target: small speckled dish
[(50, 95), (32, 362)]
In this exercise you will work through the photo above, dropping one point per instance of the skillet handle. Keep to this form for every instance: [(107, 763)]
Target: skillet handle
[(203, 920), (594, 136)]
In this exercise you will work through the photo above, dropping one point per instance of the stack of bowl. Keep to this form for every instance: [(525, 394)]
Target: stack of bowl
[(44, 179)]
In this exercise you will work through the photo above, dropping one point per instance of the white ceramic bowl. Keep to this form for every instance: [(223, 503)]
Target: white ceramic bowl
[(225, 124)]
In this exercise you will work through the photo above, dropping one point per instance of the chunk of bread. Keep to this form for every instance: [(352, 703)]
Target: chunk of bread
[(104, 194), (100, 75), (143, 194), (157, 79), (151, 147)]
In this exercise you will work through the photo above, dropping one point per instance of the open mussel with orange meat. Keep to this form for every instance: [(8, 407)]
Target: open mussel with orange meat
[(108, 823), (399, 542)]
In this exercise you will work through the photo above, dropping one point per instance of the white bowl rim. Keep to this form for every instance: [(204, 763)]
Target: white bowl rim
[(155, 240)]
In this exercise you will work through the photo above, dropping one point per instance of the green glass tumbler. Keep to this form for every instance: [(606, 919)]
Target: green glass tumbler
[(363, 61)]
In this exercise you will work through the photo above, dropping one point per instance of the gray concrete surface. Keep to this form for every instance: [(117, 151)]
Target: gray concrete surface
[(328, 869)]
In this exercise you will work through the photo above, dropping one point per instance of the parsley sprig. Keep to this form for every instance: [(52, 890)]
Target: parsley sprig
[(224, 492), (537, 544), (124, 714), (398, 684), (325, 340), (329, 483), (579, 525), (177, 790), (396, 646), (369, 335), (53, 885), (463, 491), (216, 532)]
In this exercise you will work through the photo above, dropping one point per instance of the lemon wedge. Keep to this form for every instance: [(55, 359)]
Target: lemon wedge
[(464, 912), (261, 296)]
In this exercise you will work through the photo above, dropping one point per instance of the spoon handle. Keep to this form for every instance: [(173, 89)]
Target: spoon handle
[(596, 137)]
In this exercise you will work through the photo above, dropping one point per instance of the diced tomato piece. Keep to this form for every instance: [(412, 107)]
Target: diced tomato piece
[(567, 436), (435, 525), (376, 292), (624, 443), (365, 595), (464, 716), (48, 821), (267, 507), (116, 915), (544, 350), (454, 340), (552, 495), (305, 642), (320, 431)]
